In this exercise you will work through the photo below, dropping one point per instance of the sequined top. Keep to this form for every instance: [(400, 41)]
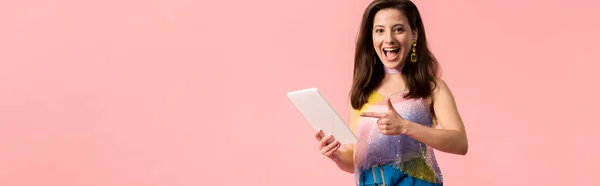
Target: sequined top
[(403, 152)]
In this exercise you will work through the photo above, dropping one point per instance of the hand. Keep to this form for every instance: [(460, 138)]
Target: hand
[(389, 123), (328, 145)]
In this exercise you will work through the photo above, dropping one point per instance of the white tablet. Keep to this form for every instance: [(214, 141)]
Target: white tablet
[(321, 115)]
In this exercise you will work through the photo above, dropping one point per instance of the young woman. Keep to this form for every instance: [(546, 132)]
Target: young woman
[(399, 108)]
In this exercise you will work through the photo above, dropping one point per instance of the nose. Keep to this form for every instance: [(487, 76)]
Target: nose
[(388, 39)]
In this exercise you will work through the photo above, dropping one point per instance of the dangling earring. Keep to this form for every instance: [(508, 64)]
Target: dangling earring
[(413, 56)]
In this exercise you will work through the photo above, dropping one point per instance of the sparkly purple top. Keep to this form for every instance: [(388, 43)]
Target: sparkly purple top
[(403, 152)]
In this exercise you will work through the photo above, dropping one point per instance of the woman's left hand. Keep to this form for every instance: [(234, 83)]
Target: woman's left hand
[(389, 123)]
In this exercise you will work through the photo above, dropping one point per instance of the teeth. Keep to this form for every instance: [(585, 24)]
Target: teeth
[(390, 49)]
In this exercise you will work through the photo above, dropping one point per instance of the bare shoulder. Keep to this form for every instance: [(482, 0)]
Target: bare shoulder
[(445, 106), (442, 91), (440, 86), (353, 116)]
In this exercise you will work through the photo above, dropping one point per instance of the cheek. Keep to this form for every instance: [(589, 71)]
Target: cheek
[(406, 44), (377, 41), (377, 44)]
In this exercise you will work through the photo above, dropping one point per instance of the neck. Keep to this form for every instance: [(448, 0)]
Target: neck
[(391, 71), (394, 76)]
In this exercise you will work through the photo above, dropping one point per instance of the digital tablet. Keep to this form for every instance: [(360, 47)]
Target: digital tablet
[(319, 113)]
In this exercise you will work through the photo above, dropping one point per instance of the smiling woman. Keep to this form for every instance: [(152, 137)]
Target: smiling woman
[(396, 103)]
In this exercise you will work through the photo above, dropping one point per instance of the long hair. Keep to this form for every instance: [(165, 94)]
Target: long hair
[(420, 76)]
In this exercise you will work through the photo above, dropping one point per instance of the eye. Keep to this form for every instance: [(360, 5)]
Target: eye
[(378, 30), (399, 30)]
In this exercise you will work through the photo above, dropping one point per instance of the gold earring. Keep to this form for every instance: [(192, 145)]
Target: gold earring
[(413, 56)]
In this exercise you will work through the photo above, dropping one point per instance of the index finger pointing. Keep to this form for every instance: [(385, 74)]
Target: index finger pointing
[(372, 114)]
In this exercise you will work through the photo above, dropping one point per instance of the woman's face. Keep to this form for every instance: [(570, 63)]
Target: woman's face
[(392, 37)]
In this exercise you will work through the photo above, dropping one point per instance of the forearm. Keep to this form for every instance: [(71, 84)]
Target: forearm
[(445, 140), (346, 160)]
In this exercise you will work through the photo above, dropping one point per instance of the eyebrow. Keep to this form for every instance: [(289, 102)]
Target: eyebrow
[(399, 24)]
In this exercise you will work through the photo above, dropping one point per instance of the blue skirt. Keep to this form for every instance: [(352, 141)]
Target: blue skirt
[(390, 176)]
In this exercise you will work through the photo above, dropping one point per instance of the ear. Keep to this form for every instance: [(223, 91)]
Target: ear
[(415, 33)]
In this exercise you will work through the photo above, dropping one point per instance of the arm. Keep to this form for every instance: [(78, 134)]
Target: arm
[(451, 138), (345, 160)]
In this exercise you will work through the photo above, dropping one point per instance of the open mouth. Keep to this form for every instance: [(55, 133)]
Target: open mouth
[(391, 53)]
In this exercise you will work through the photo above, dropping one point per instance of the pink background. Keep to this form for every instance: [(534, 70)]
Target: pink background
[(187, 93)]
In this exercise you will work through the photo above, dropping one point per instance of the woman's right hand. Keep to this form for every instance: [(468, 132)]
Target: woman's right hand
[(328, 145)]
